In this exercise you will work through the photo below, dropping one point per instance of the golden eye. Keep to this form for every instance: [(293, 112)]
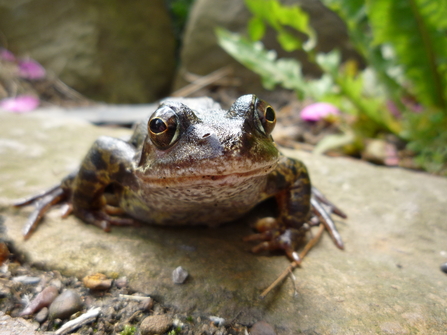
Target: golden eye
[(265, 117), (157, 125), (163, 127)]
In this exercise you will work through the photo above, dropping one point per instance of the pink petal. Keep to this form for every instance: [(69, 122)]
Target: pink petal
[(318, 111), (20, 104), (30, 69), (392, 107), (7, 55)]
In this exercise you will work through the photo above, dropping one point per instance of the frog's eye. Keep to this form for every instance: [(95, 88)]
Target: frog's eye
[(265, 117), (163, 127)]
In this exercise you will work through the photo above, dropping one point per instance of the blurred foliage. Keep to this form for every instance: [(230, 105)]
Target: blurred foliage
[(179, 10), (402, 91)]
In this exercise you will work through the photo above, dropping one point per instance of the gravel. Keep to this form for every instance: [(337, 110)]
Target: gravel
[(77, 308)]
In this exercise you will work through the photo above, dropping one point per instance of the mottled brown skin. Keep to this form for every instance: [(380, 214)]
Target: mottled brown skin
[(185, 167)]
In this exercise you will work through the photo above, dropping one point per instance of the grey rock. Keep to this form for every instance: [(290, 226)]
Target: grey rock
[(66, 304), (42, 315), (155, 324), (179, 275), (109, 51), (386, 279), (202, 55)]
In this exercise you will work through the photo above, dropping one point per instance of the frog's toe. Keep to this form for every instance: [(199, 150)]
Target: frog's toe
[(325, 218), (286, 241), (103, 220), (43, 202)]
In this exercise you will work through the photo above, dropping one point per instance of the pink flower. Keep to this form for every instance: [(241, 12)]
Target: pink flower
[(318, 111), (30, 69), (20, 104), (7, 55)]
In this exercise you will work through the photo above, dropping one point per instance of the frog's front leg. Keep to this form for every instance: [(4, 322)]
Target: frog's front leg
[(107, 162), (297, 202), (290, 185)]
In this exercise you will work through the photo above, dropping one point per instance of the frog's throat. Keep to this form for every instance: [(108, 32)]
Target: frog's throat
[(175, 179)]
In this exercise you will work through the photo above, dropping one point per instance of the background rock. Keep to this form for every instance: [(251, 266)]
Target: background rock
[(387, 281), (107, 50), (202, 55)]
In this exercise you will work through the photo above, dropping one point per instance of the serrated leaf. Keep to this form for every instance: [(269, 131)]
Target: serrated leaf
[(412, 27), (286, 71)]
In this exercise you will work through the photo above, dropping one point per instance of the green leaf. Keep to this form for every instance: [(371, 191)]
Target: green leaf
[(286, 72), (256, 28), (420, 45), (288, 41), (273, 13)]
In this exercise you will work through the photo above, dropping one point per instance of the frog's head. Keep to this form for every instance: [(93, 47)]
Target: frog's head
[(211, 144)]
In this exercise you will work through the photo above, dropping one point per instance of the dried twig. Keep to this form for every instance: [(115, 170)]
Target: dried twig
[(202, 82), (133, 297), (293, 265), (84, 319)]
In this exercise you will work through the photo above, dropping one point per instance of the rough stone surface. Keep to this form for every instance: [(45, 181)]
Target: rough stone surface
[(17, 326), (202, 55), (155, 324), (387, 281), (107, 50), (262, 328)]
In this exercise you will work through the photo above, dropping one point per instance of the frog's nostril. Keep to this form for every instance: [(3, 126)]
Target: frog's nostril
[(206, 135)]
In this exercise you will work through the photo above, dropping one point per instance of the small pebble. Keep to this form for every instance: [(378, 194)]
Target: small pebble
[(179, 275), (121, 282), (56, 283), (66, 304), (42, 315), (444, 267), (5, 290), (147, 304), (217, 321), (43, 299), (4, 252), (155, 324), (27, 280), (262, 328), (98, 281)]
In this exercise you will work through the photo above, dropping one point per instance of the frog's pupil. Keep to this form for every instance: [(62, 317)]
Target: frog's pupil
[(157, 126), (270, 114)]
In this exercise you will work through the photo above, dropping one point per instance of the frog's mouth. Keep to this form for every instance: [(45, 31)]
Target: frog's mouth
[(232, 177)]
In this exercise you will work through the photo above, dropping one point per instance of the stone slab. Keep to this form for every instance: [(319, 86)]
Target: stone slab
[(387, 281)]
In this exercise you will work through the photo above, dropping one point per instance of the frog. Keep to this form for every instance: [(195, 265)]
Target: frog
[(194, 166)]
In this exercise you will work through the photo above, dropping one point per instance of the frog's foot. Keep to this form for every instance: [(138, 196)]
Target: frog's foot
[(103, 219), (43, 202), (274, 238)]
